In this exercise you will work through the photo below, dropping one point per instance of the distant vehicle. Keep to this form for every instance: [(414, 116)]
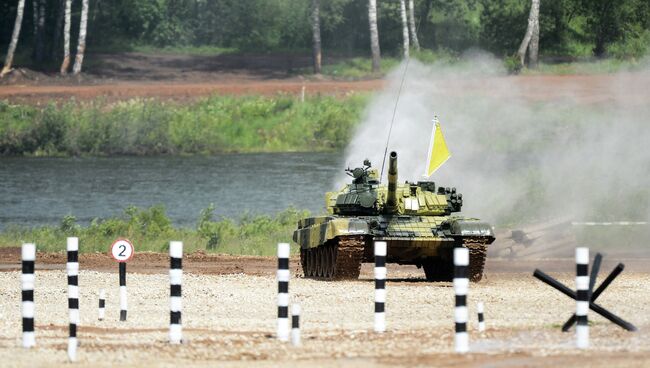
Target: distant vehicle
[(415, 219)]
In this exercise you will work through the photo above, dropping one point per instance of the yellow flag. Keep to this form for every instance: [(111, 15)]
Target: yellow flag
[(438, 151)]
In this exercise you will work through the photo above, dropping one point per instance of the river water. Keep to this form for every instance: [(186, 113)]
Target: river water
[(39, 191)]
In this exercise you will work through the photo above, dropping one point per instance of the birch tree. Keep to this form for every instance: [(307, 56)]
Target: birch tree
[(374, 35), (405, 28), (81, 45), (531, 30), (66, 38), (414, 34), (14, 38), (315, 27)]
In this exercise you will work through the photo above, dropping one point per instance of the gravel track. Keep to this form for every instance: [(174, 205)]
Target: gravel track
[(230, 320)]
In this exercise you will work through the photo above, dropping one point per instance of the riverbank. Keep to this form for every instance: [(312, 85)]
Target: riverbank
[(150, 229), (211, 125)]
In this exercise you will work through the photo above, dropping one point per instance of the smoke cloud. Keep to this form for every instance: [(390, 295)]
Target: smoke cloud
[(524, 148)]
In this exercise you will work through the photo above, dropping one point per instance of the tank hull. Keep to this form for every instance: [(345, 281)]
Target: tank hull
[(424, 241)]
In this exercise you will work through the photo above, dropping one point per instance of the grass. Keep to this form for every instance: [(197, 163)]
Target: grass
[(361, 67), (218, 124), (183, 50), (151, 230)]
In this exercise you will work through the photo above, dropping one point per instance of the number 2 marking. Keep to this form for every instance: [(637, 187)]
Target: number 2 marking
[(123, 247)]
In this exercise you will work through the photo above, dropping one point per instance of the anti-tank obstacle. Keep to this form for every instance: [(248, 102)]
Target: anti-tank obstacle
[(593, 296)]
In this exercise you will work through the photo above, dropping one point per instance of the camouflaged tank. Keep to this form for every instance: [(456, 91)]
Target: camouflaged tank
[(413, 218)]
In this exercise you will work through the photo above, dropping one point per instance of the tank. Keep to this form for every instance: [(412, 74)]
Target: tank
[(416, 220)]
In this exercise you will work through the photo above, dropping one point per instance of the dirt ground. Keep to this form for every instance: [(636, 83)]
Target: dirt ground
[(184, 77), (229, 316)]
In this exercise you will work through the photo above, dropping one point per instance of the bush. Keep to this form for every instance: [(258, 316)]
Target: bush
[(151, 230), (212, 125), (632, 47)]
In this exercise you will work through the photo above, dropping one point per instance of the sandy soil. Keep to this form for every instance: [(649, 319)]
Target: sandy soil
[(229, 318)]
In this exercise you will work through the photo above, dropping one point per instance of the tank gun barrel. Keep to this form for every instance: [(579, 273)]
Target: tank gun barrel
[(391, 197)]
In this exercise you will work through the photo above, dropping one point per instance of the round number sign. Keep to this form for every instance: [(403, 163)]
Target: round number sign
[(122, 250)]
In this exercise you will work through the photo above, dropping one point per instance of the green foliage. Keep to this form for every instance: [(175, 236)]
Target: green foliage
[(212, 125), (632, 47), (512, 64), (568, 28), (150, 230)]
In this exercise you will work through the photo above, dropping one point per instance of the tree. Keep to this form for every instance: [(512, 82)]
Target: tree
[(81, 45), (315, 27), (526, 44), (39, 44), (66, 38), (374, 35), (14, 38), (609, 21), (58, 25), (405, 29), (414, 34)]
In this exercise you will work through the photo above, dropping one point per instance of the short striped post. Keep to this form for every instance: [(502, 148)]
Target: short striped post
[(102, 305), (73, 295), (283, 291), (461, 285), (123, 301), (295, 324), (27, 279), (481, 318), (175, 295), (380, 286), (582, 299)]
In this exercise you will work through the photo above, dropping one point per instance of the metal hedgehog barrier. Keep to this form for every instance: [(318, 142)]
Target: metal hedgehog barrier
[(586, 299)]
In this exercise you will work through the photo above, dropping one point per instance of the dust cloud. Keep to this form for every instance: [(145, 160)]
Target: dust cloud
[(524, 148)]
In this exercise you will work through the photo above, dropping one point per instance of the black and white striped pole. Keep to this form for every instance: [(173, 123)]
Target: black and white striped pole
[(461, 285), (175, 295), (122, 250), (380, 286), (283, 292), (27, 279), (73, 295), (295, 324), (582, 297), (123, 301), (102, 305), (481, 317)]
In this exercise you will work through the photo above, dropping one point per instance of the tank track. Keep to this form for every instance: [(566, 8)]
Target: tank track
[(438, 269), (337, 259), (477, 254)]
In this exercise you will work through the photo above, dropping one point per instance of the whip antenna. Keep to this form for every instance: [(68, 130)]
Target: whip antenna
[(392, 120)]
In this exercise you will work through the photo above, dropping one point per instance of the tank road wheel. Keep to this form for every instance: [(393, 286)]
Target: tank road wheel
[(303, 261), (331, 251), (319, 261), (306, 268), (312, 262), (339, 258)]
